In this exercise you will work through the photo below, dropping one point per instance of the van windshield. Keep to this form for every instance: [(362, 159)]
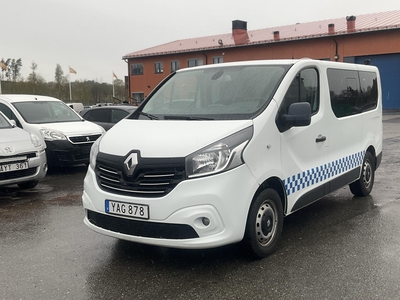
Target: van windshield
[(217, 93), (37, 112)]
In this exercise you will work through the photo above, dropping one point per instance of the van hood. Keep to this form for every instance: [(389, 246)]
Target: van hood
[(74, 128), (166, 138), (14, 141)]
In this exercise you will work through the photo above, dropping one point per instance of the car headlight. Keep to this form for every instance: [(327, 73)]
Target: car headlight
[(35, 140), (52, 135), (94, 150), (221, 156)]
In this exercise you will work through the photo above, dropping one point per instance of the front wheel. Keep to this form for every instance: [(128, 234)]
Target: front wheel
[(264, 224), (363, 186)]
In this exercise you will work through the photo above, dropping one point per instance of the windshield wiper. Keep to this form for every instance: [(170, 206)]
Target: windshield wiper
[(150, 116), (186, 118)]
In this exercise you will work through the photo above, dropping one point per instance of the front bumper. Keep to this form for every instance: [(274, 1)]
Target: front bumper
[(176, 219), (37, 170), (63, 153)]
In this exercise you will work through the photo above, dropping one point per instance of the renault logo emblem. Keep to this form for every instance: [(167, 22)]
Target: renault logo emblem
[(130, 163)]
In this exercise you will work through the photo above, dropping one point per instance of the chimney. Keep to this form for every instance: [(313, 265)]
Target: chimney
[(331, 28), (237, 24), (351, 23), (239, 32), (276, 36)]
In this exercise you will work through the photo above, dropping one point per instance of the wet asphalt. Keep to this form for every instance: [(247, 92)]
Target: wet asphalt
[(340, 247)]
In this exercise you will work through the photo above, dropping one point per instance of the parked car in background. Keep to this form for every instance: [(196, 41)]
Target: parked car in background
[(107, 116), (22, 156), (68, 137), (76, 106)]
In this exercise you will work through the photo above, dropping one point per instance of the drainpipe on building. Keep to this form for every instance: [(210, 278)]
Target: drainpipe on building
[(205, 55), (336, 57)]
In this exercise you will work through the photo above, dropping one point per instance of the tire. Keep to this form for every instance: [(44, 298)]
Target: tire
[(28, 185), (264, 224), (363, 186)]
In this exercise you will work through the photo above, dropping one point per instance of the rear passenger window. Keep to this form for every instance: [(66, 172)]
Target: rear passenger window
[(352, 92), (369, 91), (343, 89), (97, 115)]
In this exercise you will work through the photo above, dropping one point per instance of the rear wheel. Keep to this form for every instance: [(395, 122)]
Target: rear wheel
[(363, 186), (264, 224), (28, 185)]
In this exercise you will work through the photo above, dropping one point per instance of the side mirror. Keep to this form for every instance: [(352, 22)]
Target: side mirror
[(299, 114)]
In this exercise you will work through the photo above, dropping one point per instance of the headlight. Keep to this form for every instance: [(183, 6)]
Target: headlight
[(221, 156), (94, 150), (52, 135), (35, 140)]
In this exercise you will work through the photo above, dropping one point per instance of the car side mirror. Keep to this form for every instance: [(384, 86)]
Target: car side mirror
[(299, 114)]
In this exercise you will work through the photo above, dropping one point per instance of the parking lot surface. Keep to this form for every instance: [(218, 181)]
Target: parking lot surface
[(340, 247)]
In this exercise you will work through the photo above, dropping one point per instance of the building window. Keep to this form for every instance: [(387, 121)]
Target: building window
[(158, 68), (218, 60), (174, 65), (195, 62), (137, 98), (137, 69)]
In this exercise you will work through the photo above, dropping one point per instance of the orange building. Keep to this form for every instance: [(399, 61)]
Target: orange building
[(372, 39)]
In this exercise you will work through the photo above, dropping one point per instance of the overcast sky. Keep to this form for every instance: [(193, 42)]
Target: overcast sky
[(91, 36)]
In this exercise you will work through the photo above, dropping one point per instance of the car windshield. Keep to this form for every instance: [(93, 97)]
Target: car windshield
[(218, 93), (37, 112), (4, 123)]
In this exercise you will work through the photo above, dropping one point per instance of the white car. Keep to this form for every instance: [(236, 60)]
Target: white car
[(67, 135), (22, 156)]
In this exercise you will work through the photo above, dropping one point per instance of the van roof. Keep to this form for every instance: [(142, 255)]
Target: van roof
[(267, 62), (12, 98)]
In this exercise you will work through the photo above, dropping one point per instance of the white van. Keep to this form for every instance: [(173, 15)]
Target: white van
[(68, 137), (76, 106), (219, 154)]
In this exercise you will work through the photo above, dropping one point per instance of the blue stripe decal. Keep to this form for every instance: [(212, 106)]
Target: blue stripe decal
[(318, 174)]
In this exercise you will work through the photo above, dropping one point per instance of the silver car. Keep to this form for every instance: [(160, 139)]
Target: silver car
[(22, 156)]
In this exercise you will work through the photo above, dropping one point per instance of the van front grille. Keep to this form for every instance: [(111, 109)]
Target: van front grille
[(90, 138), (152, 177)]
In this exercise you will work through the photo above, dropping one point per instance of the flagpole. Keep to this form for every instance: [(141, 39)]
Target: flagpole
[(70, 89), (113, 86), (70, 92), (1, 75)]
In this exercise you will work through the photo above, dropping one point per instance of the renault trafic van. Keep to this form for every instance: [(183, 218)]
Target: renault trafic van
[(219, 154)]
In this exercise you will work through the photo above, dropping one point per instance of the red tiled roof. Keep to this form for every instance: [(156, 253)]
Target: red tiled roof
[(363, 23)]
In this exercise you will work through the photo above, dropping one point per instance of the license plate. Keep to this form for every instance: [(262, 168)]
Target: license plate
[(14, 167), (127, 209)]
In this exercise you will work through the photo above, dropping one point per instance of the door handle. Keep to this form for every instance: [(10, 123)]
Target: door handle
[(320, 139)]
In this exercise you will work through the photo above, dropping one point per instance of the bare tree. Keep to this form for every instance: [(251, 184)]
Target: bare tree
[(35, 79)]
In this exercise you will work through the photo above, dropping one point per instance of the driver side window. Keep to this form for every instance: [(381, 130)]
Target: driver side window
[(304, 88)]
